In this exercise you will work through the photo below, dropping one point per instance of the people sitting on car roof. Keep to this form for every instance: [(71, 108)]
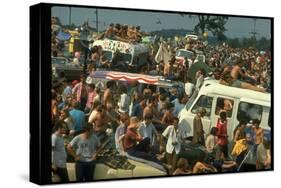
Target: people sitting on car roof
[(124, 33), (136, 145), (227, 79)]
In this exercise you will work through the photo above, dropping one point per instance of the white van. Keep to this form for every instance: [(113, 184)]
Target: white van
[(242, 103), (135, 55)]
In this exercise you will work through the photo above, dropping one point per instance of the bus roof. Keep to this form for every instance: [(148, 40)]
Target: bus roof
[(214, 87), (123, 47)]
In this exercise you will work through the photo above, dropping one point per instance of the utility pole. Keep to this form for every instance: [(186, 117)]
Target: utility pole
[(69, 18), (254, 33), (97, 21)]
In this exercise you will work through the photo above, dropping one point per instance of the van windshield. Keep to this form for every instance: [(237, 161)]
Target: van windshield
[(184, 53), (108, 55), (191, 99), (126, 57)]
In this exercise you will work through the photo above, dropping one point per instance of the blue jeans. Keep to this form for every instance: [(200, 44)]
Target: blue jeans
[(84, 170)]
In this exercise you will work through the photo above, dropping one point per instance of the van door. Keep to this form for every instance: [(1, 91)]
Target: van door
[(227, 104), (204, 101)]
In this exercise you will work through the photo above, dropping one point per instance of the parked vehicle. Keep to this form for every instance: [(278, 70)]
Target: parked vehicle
[(182, 55), (133, 55), (242, 104), (63, 65)]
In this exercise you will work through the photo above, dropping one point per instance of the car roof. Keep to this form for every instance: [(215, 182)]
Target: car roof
[(130, 77)]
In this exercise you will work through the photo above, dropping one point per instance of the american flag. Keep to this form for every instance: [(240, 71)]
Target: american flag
[(128, 77)]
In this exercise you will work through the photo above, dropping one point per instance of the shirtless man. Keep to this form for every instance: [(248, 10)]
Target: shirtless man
[(258, 131), (108, 95), (236, 71), (100, 120), (168, 67), (109, 33), (151, 109), (227, 79)]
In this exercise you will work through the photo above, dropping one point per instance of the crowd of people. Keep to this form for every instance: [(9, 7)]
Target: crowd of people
[(144, 120)]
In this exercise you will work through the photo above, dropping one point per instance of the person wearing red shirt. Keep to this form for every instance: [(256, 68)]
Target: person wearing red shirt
[(222, 133)]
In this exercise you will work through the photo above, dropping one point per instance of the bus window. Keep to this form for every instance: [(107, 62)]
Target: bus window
[(248, 111), (224, 104), (204, 102)]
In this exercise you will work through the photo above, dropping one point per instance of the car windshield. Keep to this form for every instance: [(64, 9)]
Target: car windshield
[(108, 55), (58, 61), (183, 53), (126, 57)]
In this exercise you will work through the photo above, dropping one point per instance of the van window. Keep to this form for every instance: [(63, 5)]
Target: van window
[(224, 104), (249, 111), (126, 57), (108, 55), (191, 99), (204, 102)]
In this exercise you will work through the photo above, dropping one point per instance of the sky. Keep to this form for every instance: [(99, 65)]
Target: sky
[(149, 21)]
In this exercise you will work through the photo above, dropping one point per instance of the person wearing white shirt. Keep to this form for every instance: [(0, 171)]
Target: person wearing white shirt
[(199, 78), (173, 146), (211, 140), (148, 130), (188, 87), (124, 101)]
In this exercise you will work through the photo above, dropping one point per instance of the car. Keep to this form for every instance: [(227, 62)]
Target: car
[(182, 55), (110, 164), (134, 55), (62, 65)]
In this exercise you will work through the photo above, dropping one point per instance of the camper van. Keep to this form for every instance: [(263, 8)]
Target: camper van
[(134, 55), (238, 103)]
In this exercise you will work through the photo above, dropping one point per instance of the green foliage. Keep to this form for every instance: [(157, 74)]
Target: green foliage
[(261, 44), (214, 24)]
